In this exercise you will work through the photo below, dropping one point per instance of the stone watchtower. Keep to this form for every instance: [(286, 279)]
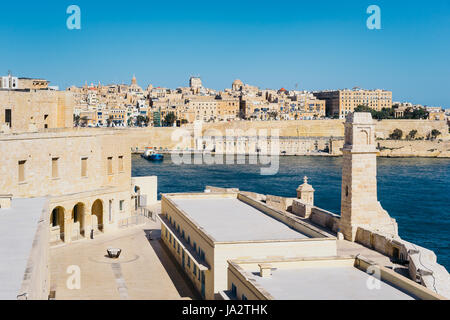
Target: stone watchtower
[(359, 203), (305, 192)]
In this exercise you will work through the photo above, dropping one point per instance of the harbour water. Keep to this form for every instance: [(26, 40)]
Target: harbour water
[(415, 191)]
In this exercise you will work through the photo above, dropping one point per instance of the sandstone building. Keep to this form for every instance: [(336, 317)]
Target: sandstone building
[(32, 110), (66, 186), (339, 103)]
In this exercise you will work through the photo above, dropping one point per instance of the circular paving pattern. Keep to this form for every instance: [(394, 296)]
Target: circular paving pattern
[(124, 258)]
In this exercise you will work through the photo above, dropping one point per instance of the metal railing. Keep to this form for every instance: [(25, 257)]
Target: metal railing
[(141, 216), (146, 212)]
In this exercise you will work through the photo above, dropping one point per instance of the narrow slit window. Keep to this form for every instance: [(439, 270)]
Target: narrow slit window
[(55, 169), (22, 170)]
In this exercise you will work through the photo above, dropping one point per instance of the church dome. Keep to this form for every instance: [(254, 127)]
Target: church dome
[(237, 82)]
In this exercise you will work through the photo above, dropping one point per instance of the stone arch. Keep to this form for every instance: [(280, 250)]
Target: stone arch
[(57, 223), (78, 218), (97, 215), (363, 137)]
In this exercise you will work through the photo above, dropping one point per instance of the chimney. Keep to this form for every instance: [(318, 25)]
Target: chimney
[(265, 270), (5, 201)]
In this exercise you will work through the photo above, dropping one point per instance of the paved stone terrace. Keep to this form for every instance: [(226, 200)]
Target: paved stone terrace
[(143, 271)]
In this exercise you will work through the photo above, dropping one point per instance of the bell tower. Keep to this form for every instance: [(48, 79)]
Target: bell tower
[(359, 203)]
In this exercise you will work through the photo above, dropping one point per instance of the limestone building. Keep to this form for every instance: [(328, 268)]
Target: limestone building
[(85, 176), (33, 110), (339, 103)]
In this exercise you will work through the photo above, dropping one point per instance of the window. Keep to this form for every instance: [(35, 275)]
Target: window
[(195, 270), (195, 247), (55, 173), (121, 202), (120, 163), (22, 170), (8, 118), (166, 232), (110, 167), (84, 167), (244, 297), (189, 261)]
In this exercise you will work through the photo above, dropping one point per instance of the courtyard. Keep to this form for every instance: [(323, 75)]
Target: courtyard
[(143, 271)]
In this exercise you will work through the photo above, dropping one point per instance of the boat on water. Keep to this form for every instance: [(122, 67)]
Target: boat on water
[(151, 155)]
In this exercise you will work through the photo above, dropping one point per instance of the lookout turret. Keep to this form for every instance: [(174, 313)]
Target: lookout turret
[(305, 192), (359, 203)]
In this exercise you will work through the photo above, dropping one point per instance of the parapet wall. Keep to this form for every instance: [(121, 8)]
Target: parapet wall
[(36, 281)]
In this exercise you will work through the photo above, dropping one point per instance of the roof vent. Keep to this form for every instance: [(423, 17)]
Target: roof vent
[(5, 201), (265, 270)]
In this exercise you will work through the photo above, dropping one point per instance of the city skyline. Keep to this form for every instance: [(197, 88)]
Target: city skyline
[(314, 46)]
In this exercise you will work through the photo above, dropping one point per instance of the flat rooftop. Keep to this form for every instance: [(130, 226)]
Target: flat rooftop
[(325, 283), (18, 226), (230, 219)]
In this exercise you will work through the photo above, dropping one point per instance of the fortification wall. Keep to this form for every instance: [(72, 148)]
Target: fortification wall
[(305, 134), (416, 148), (384, 128)]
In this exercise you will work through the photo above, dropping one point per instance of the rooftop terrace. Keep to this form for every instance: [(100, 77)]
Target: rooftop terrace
[(230, 219), (326, 283)]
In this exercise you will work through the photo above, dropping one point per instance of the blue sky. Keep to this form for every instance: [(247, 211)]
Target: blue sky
[(272, 44)]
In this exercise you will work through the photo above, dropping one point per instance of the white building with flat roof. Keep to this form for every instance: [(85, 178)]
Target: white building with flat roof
[(204, 230), (337, 278)]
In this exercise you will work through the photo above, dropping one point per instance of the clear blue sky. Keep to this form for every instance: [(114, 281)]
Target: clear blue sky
[(272, 44)]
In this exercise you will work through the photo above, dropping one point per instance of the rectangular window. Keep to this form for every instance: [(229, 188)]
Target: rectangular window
[(55, 171), (22, 170), (195, 247), (121, 202), (8, 118), (84, 167), (120, 163), (189, 261), (195, 270), (110, 166), (244, 297)]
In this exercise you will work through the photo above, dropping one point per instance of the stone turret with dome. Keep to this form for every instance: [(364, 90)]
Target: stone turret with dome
[(305, 192), (237, 85)]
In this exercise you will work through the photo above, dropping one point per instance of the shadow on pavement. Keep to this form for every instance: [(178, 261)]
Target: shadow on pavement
[(182, 283)]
